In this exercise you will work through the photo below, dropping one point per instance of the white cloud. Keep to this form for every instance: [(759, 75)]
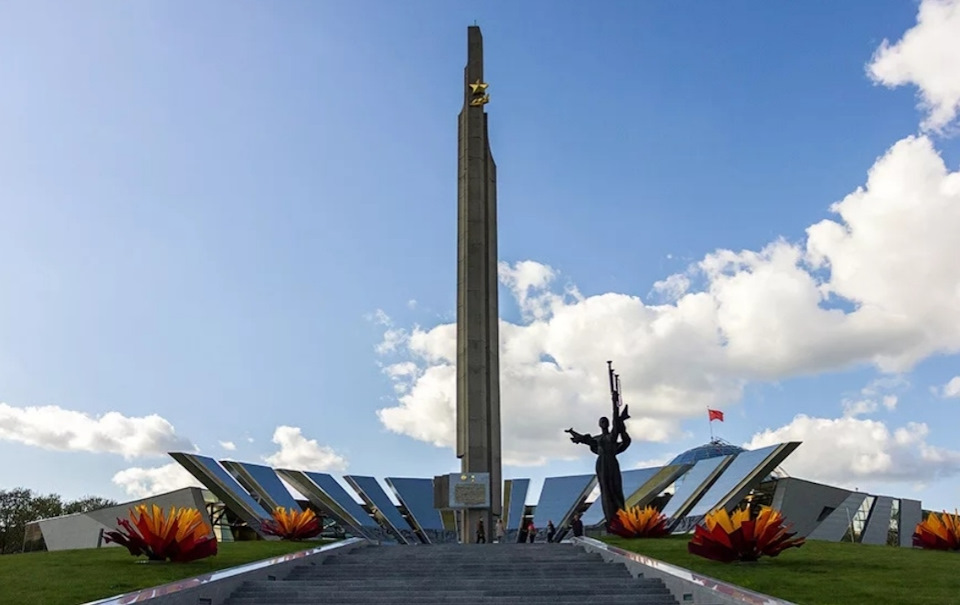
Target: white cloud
[(228, 445), (927, 56), (52, 427), (145, 482), (299, 453), (673, 287), (847, 451), (412, 304), (763, 315), (952, 388)]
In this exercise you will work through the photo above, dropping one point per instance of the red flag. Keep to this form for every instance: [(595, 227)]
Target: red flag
[(715, 415)]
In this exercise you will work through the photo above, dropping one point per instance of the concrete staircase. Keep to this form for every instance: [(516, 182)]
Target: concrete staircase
[(508, 574)]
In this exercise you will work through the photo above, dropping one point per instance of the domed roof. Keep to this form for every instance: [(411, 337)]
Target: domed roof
[(713, 449)]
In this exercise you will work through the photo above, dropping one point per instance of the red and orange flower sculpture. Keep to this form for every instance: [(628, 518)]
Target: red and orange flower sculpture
[(938, 532), (725, 537), (639, 522), (293, 524), (180, 536)]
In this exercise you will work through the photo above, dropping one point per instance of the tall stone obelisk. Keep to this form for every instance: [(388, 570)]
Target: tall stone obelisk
[(478, 332)]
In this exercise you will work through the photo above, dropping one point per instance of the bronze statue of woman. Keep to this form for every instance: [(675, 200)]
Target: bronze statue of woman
[(606, 446)]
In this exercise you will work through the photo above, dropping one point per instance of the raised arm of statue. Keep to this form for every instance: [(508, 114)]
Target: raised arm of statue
[(624, 440)]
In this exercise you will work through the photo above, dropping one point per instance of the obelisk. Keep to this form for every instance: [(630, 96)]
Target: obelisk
[(478, 333)]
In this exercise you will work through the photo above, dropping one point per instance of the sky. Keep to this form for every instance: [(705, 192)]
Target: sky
[(230, 228)]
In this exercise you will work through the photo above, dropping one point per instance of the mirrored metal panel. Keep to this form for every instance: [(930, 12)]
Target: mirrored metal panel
[(693, 484), (416, 495), (329, 496), (911, 513), (661, 480), (263, 482), (878, 523), (386, 511), (518, 489), (840, 521), (746, 472), (632, 481), (559, 498), (217, 480)]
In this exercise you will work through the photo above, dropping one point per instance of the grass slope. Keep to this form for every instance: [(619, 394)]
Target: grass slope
[(68, 577), (826, 573)]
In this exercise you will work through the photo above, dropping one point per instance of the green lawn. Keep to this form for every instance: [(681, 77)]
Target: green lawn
[(69, 577), (827, 573)]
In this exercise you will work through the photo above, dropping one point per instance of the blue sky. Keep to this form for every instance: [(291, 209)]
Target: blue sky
[(205, 207)]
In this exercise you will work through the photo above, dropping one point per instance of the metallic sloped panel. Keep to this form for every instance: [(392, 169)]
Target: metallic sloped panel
[(559, 498), (661, 480), (746, 472), (416, 495), (910, 514), (263, 482), (518, 499), (878, 524), (838, 522), (324, 492), (693, 484), (384, 509), (803, 502), (225, 487), (633, 480)]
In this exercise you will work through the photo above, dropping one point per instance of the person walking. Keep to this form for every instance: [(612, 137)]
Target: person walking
[(481, 534), (551, 531), (499, 531), (531, 533), (577, 526)]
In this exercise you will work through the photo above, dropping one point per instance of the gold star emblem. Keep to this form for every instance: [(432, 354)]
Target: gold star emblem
[(478, 87)]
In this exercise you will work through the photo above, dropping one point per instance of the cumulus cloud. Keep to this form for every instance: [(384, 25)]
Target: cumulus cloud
[(850, 294), (228, 445), (952, 388), (927, 56), (141, 482), (298, 452), (846, 451), (52, 427)]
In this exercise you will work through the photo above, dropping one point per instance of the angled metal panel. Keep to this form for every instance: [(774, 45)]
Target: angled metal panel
[(225, 487), (802, 502), (745, 473), (911, 513), (416, 495), (654, 486), (693, 485), (262, 482), (632, 480), (518, 499), (324, 492), (878, 524), (836, 524), (559, 499), (513, 506), (384, 509)]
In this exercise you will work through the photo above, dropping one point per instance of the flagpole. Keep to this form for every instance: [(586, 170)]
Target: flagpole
[(710, 422)]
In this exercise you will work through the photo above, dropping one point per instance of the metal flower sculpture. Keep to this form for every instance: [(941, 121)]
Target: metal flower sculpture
[(736, 537), (639, 522), (293, 524), (938, 532), (180, 536)]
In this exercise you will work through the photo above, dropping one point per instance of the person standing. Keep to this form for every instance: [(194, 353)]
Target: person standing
[(531, 532), (577, 526), (551, 531), (499, 530), (481, 534)]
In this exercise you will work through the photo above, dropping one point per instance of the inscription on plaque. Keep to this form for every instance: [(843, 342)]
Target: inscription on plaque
[(470, 494)]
